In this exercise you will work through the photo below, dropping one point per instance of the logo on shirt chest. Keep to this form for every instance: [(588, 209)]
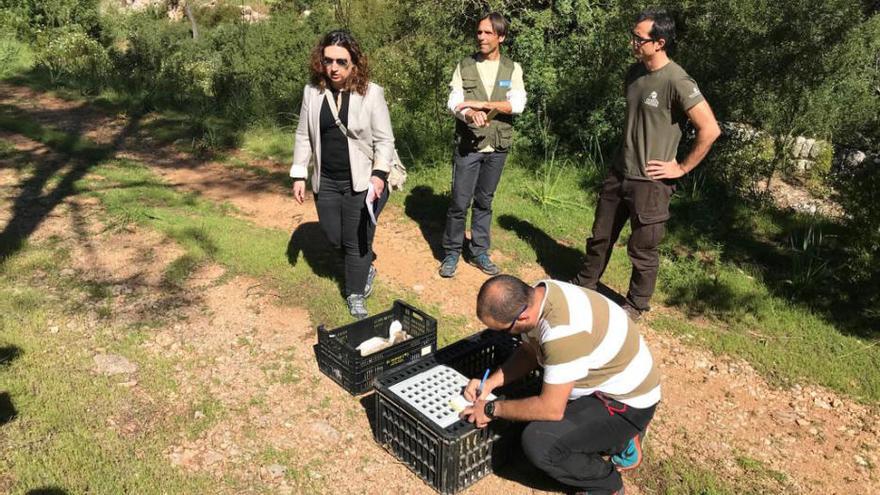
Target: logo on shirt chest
[(651, 100)]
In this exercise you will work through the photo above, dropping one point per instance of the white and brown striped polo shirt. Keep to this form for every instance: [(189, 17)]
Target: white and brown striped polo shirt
[(583, 337)]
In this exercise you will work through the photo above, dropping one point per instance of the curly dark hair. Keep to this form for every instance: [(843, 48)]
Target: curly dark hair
[(360, 71)]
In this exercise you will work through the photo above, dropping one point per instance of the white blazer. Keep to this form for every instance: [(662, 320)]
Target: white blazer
[(368, 119)]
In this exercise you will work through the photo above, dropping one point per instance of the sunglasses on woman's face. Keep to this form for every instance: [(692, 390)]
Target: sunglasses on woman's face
[(341, 62)]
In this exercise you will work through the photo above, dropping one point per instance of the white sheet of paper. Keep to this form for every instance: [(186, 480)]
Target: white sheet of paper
[(371, 198)]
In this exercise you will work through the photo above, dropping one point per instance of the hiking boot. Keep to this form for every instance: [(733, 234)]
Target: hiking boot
[(485, 264), (371, 276), (448, 266), (630, 457), (634, 313), (357, 306)]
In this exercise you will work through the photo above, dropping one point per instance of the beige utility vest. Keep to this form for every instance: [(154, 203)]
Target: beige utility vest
[(499, 133)]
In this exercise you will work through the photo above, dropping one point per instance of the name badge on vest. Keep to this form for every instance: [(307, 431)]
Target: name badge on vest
[(505, 83)]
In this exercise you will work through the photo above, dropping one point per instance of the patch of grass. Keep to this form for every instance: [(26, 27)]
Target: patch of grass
[(204, 414), (15, 56), (12, 121), (269, 142), (756, 469), (31, 260), (289, 375), (59, 434), (294, 469), (778, 337), (678, 475), (179, 270), (7, 149), (192, 133)]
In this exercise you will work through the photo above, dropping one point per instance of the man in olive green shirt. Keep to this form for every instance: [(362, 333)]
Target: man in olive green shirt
[(660, 98)]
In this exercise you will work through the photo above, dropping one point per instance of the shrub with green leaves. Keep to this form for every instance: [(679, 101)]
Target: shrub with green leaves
[(15, 56), (72, 55)]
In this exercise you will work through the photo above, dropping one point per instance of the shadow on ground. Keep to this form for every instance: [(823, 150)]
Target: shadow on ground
[(7, 408), (48, 490), (561, 262), (322, 257), (52, 180), (519, 470), (428, 209)]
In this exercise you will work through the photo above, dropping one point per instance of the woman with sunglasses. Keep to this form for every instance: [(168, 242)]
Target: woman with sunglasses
[(345, 132)]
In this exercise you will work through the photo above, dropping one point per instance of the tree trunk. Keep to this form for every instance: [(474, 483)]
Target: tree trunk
[(192, 20)]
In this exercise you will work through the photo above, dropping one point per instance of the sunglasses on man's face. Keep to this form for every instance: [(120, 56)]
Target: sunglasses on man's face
[(341, 62), (638, 40), (513, 323)]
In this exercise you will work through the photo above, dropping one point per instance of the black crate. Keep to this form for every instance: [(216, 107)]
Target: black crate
[(339, 359), (450, 459)]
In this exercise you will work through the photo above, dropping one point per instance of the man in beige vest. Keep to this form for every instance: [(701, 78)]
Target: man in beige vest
[(486, 91)]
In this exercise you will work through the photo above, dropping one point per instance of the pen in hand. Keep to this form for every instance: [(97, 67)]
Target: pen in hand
[(482, 383)]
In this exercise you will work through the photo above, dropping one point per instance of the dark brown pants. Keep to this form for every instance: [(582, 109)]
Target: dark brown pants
[(645, 204)]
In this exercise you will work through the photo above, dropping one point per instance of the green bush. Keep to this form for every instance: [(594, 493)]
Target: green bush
[(15, 56), (33, 17), (70, 55), (859, 194)]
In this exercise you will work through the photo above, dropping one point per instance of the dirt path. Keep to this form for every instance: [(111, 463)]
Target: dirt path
[(254, 356)]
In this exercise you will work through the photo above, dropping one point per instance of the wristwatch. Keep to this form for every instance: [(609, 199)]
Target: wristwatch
[(489, 409)]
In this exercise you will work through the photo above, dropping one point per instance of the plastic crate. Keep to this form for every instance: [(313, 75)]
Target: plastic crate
[(450, 459), (339, 359)]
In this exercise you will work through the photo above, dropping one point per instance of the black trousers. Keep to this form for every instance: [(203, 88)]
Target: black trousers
[(343, 216), (571, 450), (645, 203), (475, 177)]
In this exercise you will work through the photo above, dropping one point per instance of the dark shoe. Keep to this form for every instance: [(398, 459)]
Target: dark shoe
[(448, 266), (631, 456), (357, 306), (371, 276), (634, 313), (485, 264)]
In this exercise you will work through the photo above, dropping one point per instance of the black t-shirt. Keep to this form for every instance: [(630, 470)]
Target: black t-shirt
[(335, 162)]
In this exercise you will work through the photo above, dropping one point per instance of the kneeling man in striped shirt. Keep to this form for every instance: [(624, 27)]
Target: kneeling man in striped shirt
[(600, 389)]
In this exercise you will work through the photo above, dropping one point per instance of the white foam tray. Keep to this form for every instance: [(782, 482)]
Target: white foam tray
[(431, 391)]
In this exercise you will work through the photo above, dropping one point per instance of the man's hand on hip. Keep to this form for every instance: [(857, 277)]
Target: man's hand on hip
[(657, 169)]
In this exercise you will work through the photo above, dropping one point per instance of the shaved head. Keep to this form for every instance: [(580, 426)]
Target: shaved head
[(502, 298)]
